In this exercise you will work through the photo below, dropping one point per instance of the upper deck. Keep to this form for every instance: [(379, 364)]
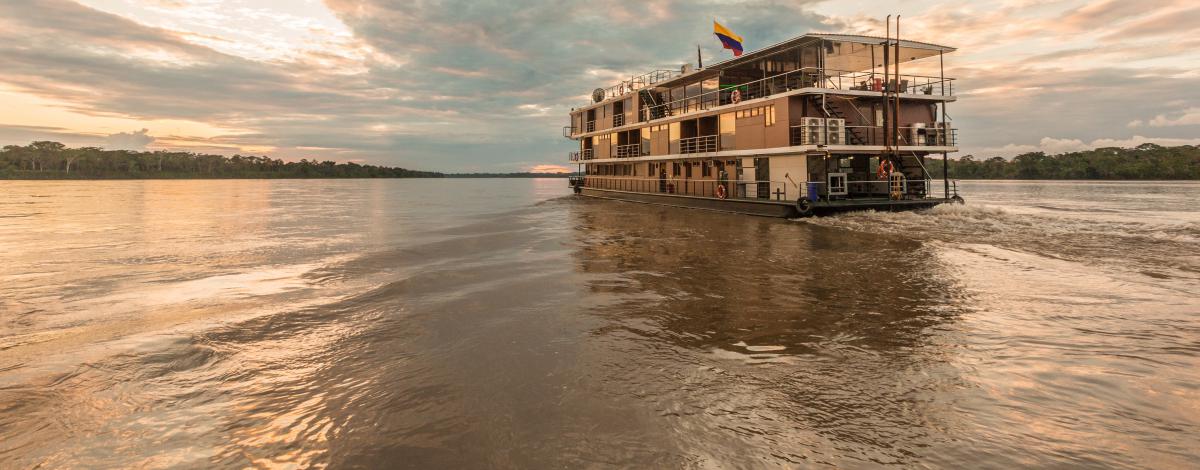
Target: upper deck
[(841, 64)]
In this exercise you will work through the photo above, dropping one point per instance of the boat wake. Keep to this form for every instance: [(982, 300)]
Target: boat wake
[(1149, 246)]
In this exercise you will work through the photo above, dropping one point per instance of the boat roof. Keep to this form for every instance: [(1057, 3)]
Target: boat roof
[(851, 53)]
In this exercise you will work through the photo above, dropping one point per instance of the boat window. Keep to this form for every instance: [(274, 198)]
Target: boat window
[(645, 138), (673, 136), (728, 126)]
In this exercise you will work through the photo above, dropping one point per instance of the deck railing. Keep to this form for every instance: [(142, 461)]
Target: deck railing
[(701, 144), (873, 135), (618, 120), (698, 187), (580, 155), (631, 150), (641, 81), (788, 191), (808, 77)]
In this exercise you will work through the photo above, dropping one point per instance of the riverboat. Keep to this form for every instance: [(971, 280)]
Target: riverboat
[(817, 124)]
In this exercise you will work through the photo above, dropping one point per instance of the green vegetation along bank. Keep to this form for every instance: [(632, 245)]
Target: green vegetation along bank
[(1144, 162), (52, 160)]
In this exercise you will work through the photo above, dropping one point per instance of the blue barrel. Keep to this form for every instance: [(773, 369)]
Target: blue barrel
[(812, 191)]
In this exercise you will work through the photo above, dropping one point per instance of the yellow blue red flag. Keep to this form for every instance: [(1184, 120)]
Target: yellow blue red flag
[(731, 41)]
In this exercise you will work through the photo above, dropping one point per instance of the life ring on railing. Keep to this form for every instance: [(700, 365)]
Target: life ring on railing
[(736, 96), (885, 169), (721, 192)]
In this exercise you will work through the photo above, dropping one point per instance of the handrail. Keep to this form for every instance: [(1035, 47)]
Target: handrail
[(874, 135), (806, 77), (760, 189), (640, 81), (630, 150), (700, 144), (585, 154), (699, 187)]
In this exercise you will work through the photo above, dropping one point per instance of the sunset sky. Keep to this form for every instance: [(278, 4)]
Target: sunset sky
[(487, 85)]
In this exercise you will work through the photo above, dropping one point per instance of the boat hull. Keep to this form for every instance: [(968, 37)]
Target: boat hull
[(765, 208)]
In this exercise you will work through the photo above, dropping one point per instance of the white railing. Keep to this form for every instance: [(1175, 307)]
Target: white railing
[(699, 187), (701, 144), (908, 189), (580, 155), (808, 77), (631, 150), (930, 136)]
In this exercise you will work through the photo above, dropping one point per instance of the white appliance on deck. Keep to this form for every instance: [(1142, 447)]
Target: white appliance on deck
[(814, 131), (835, 131), (918, 134)]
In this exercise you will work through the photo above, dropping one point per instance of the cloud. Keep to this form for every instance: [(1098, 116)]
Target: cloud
[(486, 85), (136, 140), (550, 169), (1189, 117)]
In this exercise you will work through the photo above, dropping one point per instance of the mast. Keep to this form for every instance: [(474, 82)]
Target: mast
[(945, 158), (896, 94), (887, 141)]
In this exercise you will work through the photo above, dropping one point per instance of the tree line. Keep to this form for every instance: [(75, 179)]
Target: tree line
[(53, 160), (1144, 162)]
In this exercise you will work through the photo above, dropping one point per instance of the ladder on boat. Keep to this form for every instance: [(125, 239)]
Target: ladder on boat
[(852, 134)]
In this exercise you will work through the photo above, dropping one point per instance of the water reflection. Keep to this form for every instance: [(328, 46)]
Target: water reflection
[(397, 323), (770, 338)]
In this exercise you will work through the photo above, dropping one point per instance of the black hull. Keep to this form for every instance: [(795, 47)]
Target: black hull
[(764, 207)]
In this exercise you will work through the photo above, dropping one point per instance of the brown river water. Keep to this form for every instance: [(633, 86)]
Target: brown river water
[(508, 324)]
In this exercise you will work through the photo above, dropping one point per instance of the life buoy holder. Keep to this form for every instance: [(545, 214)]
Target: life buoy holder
[(885, 169), (736, 96), (721, 192)]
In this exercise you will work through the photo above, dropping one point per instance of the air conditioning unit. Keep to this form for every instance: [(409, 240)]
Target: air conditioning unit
[(814, 130), (835, 131)]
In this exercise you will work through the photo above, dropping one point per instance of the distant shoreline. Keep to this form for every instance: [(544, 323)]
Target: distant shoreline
[(47, 160), (59, 177)]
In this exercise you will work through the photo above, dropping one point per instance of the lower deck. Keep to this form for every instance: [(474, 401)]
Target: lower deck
[(763, 207)]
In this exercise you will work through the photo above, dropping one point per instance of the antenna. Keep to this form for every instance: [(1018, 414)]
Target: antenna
[(699, 60)]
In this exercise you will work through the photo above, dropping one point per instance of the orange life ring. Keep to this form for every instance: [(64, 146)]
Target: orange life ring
[(885, 168), (721, 191), (736, 96)]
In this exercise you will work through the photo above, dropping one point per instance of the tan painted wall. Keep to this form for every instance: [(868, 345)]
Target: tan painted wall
[(793, 170)]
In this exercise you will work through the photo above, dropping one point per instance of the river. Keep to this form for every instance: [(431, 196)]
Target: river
[(504, 323)]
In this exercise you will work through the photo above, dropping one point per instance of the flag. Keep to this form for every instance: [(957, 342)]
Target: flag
[(731, 41)]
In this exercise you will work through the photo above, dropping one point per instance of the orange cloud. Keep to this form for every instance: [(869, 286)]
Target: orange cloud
[(549, 169)]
